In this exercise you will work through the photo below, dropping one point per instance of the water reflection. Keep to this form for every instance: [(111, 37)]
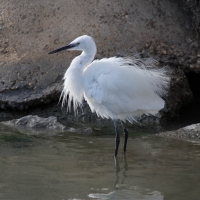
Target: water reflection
[(124, 191), (117, 185), (133, 193), (81, 166)]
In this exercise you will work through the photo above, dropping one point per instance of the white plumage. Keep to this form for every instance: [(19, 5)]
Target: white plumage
[(116, 88)]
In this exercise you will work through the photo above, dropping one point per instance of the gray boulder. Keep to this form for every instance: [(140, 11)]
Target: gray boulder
[(33, 121), (189, 133), (43, 127)]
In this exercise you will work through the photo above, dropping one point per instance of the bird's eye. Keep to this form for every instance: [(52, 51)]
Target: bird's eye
[(78, 43)]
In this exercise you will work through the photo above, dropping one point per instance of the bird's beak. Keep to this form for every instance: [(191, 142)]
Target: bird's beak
[(69, 46)]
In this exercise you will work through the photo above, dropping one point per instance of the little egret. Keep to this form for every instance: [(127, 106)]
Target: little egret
[(117, 88)]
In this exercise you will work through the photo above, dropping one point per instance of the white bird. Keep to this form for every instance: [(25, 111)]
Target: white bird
[(117, 88)]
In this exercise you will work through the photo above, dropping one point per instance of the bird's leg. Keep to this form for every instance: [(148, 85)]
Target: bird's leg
[(125, 135), (117, 139)]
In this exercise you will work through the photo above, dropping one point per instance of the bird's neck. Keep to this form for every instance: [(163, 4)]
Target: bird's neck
[(73, 84), (86, 58), (83, 60)]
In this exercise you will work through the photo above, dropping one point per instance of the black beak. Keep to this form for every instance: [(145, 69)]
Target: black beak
[(62, 48)]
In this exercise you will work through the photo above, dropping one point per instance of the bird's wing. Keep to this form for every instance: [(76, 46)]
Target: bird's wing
[(125, 85)]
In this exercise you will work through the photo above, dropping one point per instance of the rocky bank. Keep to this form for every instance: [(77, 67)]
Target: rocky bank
[(31, 80)]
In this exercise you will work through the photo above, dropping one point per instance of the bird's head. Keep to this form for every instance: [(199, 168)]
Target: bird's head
[(82, 43)]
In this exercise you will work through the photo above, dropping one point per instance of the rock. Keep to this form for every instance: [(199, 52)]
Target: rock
[(3, 106), (179, 95), (31, 77), (4, 115), (80, 130), (190, 133), (33, 121), (191, 66), (40, 126)]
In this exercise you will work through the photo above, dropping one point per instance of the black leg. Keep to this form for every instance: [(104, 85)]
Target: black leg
[(125, 136), (117, 139)]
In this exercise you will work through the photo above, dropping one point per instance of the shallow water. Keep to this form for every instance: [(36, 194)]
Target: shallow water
[(81, 166)]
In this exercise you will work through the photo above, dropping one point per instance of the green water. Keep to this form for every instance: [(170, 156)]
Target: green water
[(66, 166)]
